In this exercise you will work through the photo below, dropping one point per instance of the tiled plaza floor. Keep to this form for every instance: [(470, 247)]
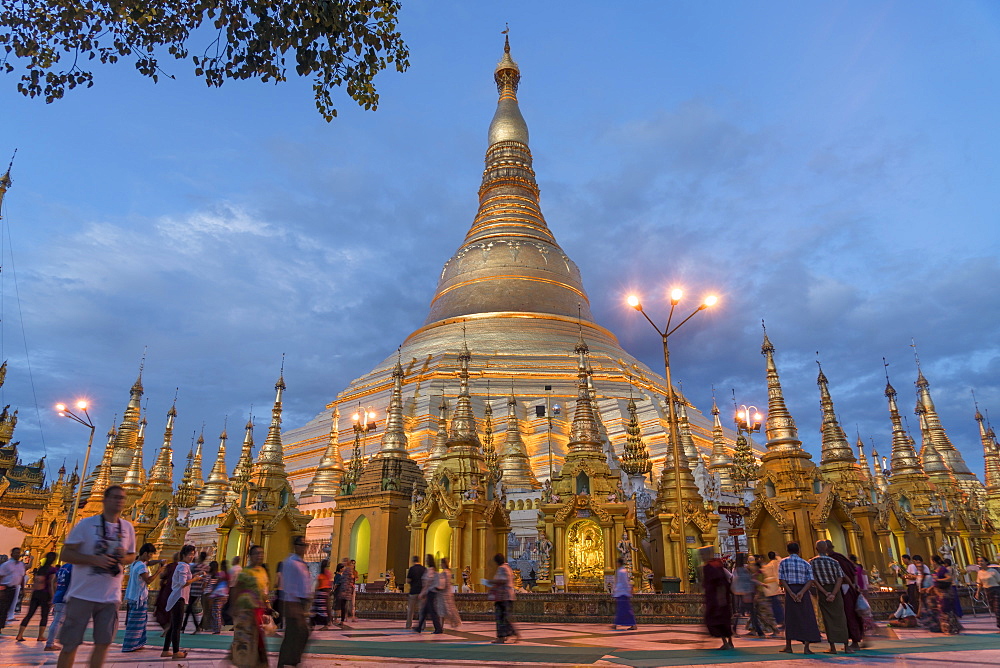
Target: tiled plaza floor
[(387, 643)]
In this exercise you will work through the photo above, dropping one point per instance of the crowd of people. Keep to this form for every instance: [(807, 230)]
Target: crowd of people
[(775, 596)]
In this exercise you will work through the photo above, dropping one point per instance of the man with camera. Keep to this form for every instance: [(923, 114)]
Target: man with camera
[(99, 548)]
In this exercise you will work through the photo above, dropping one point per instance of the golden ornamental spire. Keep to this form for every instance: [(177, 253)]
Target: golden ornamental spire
[(781, 431), (186, 494), (463, 422), (102, 480), (490, 454), (271, 455), (932, 432), (991, 457), (217, 486), (240, 482), (635, 459), (197, 481), (5, 184), (330, 470), (720, 463), (836, 448), (684, 431), (394, 439), (514, 462), (135, 476), (159, 491), (862, 459), (355, 466), (903, 459), (127, 438), (584, 434), (508, 123), (439, 449), (162, 470)]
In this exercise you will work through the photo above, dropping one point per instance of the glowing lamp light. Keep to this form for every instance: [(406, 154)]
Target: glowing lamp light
[(676, 294), (757, 417), (356, 417), (82, 405), (60, 407), (633, 301), (741, 415), (711, 300)]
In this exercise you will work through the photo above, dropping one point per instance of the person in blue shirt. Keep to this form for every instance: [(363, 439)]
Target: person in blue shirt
[(63, 576)]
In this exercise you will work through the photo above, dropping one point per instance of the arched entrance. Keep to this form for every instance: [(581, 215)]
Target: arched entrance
[(585, 553), (438, 542), (361, 538)]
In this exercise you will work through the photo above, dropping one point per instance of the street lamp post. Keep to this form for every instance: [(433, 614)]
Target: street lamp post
[(748, 421), (675, 298), (64, 411)]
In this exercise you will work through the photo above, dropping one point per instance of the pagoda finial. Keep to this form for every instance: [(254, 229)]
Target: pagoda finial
[(991, 458), (584, 433), (904, 456), (835, 445), (330, 470), (514, 462), (394, 439), (217, 486), (463, 422), (490, 454), (933, 431), (781, 431), (440, 446), (862, 459), (508, 123), (272, 455), (720, 462), (5, 180)]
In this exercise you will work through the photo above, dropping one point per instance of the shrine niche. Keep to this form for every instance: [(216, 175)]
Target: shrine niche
[(584, 510), (585, 553)]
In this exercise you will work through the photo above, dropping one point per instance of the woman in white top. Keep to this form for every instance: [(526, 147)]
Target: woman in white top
[(179, 594)]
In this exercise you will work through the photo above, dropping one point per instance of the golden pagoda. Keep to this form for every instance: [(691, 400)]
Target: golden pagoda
[(217, 486), (518, 300), (991, 470), (721, 462), (585, 511), (514, 465), (372, 517), (49, 527), (932, 431), (330, 471), (461, 514), (266, 513), (791, 501), (153, 506)]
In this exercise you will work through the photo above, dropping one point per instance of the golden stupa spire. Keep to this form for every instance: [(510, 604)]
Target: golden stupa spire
[(463, 422), (720, 463), (635, 458), (271, 456), (102, 480), (509, 261), (932, 432), (903, 459), (991, 458), (862, 459), (162, 470), (781, 431), (490, 454), (514, 462), (127, 438), (687, 438), (197, 480), (5, 184), (217, 486), (440, 446), (186, 494), (330, 470), (244, 465), (394, 439), (584, 434), (836, 447), (135, 477)]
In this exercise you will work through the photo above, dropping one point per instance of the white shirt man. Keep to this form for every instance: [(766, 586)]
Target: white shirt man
[(100, 548), (11, 579)]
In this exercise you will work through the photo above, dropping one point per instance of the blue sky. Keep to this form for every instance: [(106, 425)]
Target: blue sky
[(829, 167)]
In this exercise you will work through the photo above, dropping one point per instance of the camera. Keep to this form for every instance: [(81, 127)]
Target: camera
[(115, 568)]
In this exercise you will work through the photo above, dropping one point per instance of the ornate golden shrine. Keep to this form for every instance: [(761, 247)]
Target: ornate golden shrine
[(585, 553)]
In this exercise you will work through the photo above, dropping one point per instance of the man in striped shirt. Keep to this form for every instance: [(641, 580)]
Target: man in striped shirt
[(829, 576)]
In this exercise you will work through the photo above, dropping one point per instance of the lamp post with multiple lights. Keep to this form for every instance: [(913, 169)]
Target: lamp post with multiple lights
[(680, 557), (64, 411)]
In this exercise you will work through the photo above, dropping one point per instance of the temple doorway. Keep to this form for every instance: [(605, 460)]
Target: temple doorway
[(361, 539)]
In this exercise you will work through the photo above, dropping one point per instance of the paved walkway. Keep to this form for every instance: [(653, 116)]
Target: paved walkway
[(381, 643)]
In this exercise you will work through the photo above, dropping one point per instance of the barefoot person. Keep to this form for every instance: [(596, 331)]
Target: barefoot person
[(137, 598), (502, 591), (718, 606), (829, 577), (796, 577), (100, 548), (43, 583), (624, 616)]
